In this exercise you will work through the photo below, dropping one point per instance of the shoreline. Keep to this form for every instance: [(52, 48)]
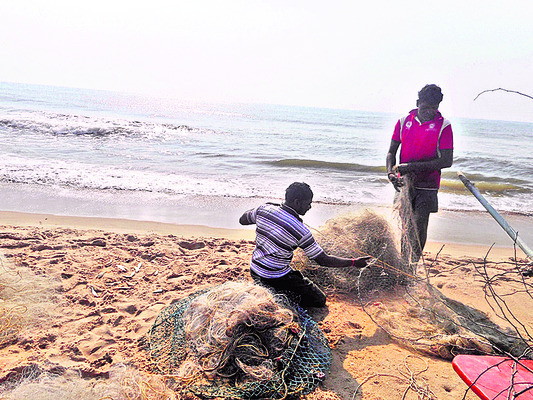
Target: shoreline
[(444, 237), (119, 225), (476, 225)]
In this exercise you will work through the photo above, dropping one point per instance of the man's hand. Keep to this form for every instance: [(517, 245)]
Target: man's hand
[(395, 180), (401, 169), (361, 262)]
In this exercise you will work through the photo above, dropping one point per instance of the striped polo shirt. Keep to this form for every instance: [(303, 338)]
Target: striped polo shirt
[(279, 231)]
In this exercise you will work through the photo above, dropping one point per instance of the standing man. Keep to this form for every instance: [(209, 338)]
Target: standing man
[(279, 231), (426, 140)]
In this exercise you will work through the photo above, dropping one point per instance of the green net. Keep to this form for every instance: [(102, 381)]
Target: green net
[(297, 368)]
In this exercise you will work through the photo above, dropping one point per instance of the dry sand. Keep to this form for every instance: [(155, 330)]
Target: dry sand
[(97, 314)]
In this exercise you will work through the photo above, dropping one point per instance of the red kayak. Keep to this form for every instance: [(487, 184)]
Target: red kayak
[(496, 378)]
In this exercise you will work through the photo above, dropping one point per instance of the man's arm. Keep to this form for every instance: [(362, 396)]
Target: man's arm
[(444, 161), (391, 155), (339, 262), (243, 220), (391, 163)]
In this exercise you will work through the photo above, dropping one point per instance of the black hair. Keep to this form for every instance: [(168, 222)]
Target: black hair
[(298, 190), (430, 94)]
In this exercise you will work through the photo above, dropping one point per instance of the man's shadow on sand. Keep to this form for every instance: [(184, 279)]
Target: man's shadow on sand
[(339, 380)]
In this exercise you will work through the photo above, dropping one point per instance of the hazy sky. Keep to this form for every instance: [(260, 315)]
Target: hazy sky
[(372, 55)]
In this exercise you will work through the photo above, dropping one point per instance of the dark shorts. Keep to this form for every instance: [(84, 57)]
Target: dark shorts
[(422, 200), (296, 286)]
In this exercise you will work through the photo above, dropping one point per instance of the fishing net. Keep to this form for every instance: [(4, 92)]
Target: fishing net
[(442, 326), (410, 245), (239, 341), (11, 321), (416, 314), (424, 320), (357, 235)]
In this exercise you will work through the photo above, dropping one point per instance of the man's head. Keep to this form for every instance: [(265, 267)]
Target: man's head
[(428, 102), (299, 197)]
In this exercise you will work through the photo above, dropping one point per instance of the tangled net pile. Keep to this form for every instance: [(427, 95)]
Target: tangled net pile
[(236, 330), (238, 340), (355, 236)]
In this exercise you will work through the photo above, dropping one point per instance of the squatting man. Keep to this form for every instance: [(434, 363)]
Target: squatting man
[(279, 231)]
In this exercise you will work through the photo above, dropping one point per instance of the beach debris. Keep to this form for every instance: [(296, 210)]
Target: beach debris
[(130, 275), (138, 267), (156, 273), (98, 242), (93, 291), (131, 238), (158, 291), (191, 245), (123, 288), (111, 283), (122, 267), (101, 274)]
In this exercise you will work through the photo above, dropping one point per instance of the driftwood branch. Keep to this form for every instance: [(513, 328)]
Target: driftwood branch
[(505, 90)]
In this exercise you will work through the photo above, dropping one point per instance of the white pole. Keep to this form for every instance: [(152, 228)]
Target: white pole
[(506, 227)]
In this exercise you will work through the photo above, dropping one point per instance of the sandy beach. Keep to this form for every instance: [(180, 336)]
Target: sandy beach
[(135, 135), (89, 289)]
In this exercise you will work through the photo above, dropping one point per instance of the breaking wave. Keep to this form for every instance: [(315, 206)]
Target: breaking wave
[(298, 163)]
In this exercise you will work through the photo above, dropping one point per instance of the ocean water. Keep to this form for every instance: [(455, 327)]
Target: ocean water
[(66, 146)]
